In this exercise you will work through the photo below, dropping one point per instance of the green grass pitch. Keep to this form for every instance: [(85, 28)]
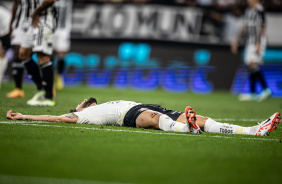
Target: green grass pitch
[(36, 152)]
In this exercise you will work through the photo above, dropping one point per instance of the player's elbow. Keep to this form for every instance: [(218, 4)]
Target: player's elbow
[(60, 119), (66, 120)]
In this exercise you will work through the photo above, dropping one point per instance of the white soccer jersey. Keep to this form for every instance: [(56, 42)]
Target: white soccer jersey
[(254, 19), (5, 17), (109, 113)]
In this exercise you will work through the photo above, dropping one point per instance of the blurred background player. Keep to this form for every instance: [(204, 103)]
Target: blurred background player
[(62, 38), (18, 27), (5, 17), (39, 39), (255, 29)]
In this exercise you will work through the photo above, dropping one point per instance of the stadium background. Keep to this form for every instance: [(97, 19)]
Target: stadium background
[(38, 152), (176, 45)]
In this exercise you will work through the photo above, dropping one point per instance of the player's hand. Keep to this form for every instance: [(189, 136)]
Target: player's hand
[(234, 47), (13, 116), (35, 20), (258, 48)]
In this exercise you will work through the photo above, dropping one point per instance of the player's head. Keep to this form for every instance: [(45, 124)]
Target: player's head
[(84, 104), (253, 2)]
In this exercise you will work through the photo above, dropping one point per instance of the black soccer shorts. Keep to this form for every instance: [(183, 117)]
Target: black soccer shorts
[(133, 113)]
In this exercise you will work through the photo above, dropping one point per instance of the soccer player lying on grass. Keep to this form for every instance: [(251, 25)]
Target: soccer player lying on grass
[(133, 114)]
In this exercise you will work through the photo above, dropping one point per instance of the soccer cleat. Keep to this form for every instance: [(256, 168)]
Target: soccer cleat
[(37, 96), (16, 93), (268, 125), (59, 81), (44, 102), (191, 121), (265, 94), (248, 97)]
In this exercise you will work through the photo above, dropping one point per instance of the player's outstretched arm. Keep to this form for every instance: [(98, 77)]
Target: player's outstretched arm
[(67, 118), (35, 14)]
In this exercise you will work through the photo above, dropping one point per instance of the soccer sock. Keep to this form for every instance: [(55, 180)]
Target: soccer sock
[(17, 71), (60, 65), (48, 79), (167, 124), (34, 72), (217, 127), (253, 82)]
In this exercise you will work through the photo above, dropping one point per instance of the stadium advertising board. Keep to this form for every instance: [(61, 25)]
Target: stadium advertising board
[(171, 66)]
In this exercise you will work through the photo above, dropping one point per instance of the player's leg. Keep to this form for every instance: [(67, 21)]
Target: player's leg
[(262, 129), (17, 72), (17, 36), (156, 120), (61, 47), (266, 93), (3, 66), (210, 125), (45, 64), (42, 46), (31, 67), (5, 45), (250, 54), (60, 69)]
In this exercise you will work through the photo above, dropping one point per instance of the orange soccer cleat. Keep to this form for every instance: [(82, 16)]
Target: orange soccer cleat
[(268, 125), (16, 93), (191, 121)]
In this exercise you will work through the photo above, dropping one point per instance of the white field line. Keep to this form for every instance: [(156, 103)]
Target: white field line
[(11, 179), (144, 132), (245, 120)]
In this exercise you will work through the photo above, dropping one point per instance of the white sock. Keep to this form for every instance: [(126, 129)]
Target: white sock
[(216, 127), (167, 124)]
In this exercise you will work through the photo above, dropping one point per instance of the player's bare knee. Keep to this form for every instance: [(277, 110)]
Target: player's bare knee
[(148, 119), (23, 54), (43, 58), (201, 121)]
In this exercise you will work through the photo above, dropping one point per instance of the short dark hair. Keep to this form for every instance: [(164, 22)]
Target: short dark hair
[(89, 102)]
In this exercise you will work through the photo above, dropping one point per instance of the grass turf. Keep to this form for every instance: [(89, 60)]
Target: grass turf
[(32, 152)]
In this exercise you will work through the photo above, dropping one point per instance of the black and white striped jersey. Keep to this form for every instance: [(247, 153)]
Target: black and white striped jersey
[(254, 19), (25, 9), (22, 14), (48, 16)]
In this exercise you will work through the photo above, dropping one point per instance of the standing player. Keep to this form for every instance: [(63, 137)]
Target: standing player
[(39, 39), (62, 38), (19, 24), (5, 39), (255, 28)]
